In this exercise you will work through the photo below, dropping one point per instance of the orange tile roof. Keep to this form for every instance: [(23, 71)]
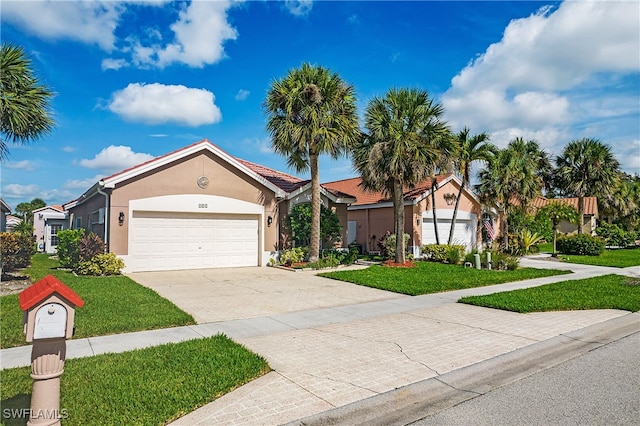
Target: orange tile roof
[(590, 203), (352, 187), (282, 180)]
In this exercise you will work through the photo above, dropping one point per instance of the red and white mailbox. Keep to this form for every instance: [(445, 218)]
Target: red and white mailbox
[(49, 311)]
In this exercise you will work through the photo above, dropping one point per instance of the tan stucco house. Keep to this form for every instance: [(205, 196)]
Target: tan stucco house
[(371, 215), (197, 207), (589, 218)]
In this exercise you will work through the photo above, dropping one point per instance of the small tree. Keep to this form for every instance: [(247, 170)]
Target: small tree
[(556, 212), (299, 223)]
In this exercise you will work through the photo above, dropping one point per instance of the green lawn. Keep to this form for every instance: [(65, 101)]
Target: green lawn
[(151, 386), (618, 258), (604, 292), (430, 277), (112, 305)]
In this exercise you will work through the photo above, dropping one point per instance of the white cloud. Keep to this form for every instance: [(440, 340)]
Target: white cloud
[(114, 158), (158, 103), (199, 36), (15, 190), (299, 7), (555, 76), (198, 39), (21, 165), (113, 64), (68, 149), (83, 183), (242, 95), (91, 22)]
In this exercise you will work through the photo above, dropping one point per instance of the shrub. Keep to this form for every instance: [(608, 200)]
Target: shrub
[(581, 244), (68, 246), (344, 257), (435, 252), (100, 264), (614, 236), (455, 254), (527, 241), (293, 255), (390, 244), (15, 250), (89, 246), (444, 253)]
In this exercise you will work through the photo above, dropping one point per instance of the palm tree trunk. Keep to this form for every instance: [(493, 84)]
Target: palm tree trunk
[(581, 213), (506, 227), (398, 212), (434, 186), (455, 214), (314, 243)]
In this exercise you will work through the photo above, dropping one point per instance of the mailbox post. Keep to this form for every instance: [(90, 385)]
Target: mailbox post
[(49, 308)]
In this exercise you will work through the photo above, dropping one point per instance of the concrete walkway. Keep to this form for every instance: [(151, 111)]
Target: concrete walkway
[(337, 356)]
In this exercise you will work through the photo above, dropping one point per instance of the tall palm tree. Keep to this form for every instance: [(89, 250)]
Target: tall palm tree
[(402, 145), (469, 149), (516, 174), (311, 111), (24, 102), (586, 167)]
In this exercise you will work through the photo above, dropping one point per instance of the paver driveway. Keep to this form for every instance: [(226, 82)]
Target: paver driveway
[(213, 295)]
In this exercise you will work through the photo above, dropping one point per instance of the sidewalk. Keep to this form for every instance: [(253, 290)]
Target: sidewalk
[(331, 357)]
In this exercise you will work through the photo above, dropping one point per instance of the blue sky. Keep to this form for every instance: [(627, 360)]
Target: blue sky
[(135, 80)]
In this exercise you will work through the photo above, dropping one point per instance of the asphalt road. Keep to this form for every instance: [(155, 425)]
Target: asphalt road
[(600, 387)]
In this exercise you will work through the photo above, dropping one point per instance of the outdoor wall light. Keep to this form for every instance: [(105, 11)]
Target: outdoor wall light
[(121, 218), (269, 220)]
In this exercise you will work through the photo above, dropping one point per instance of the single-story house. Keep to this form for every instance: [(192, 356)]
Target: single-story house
[(197, 207), (371, 216), (47, 221), (4, 211), (589, 218)]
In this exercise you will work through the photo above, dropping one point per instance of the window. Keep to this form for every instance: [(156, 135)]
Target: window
[(78, 223), (54, 234)]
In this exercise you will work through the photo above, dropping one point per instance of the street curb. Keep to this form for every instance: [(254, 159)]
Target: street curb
[(414, 402)]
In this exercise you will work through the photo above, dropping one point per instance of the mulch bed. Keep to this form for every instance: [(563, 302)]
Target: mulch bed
[(392, 264)]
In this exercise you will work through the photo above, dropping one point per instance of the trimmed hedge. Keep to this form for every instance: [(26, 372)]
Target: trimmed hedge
[(444, 253), (581, 244)]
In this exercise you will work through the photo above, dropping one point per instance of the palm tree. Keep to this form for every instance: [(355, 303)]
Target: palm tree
[(516, 174), (24, 102), (469, 149), (557, 211), (404, 141), (586, 167), (311, 111)]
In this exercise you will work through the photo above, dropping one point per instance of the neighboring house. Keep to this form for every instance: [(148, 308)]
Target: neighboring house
[(197, 207), (47, 221), (12, 221), (371, 216), (588, 219), (4, 211)]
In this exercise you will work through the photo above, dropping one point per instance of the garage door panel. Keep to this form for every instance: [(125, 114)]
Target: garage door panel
[(463, 234), (162, 242)]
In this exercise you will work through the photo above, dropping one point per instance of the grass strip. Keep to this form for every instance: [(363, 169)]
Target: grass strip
[(617, 258), (430, 277), (149, 386), (114, 304), (604, 292)]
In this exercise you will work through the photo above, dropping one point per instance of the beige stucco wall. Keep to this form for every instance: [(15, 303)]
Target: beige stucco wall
[(372, 222), (181, 178)]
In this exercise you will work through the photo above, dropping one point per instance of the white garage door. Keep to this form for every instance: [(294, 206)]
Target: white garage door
[(463, 234), (171, 241)]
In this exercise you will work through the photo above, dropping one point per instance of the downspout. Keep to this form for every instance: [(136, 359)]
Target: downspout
[(106, 215)]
